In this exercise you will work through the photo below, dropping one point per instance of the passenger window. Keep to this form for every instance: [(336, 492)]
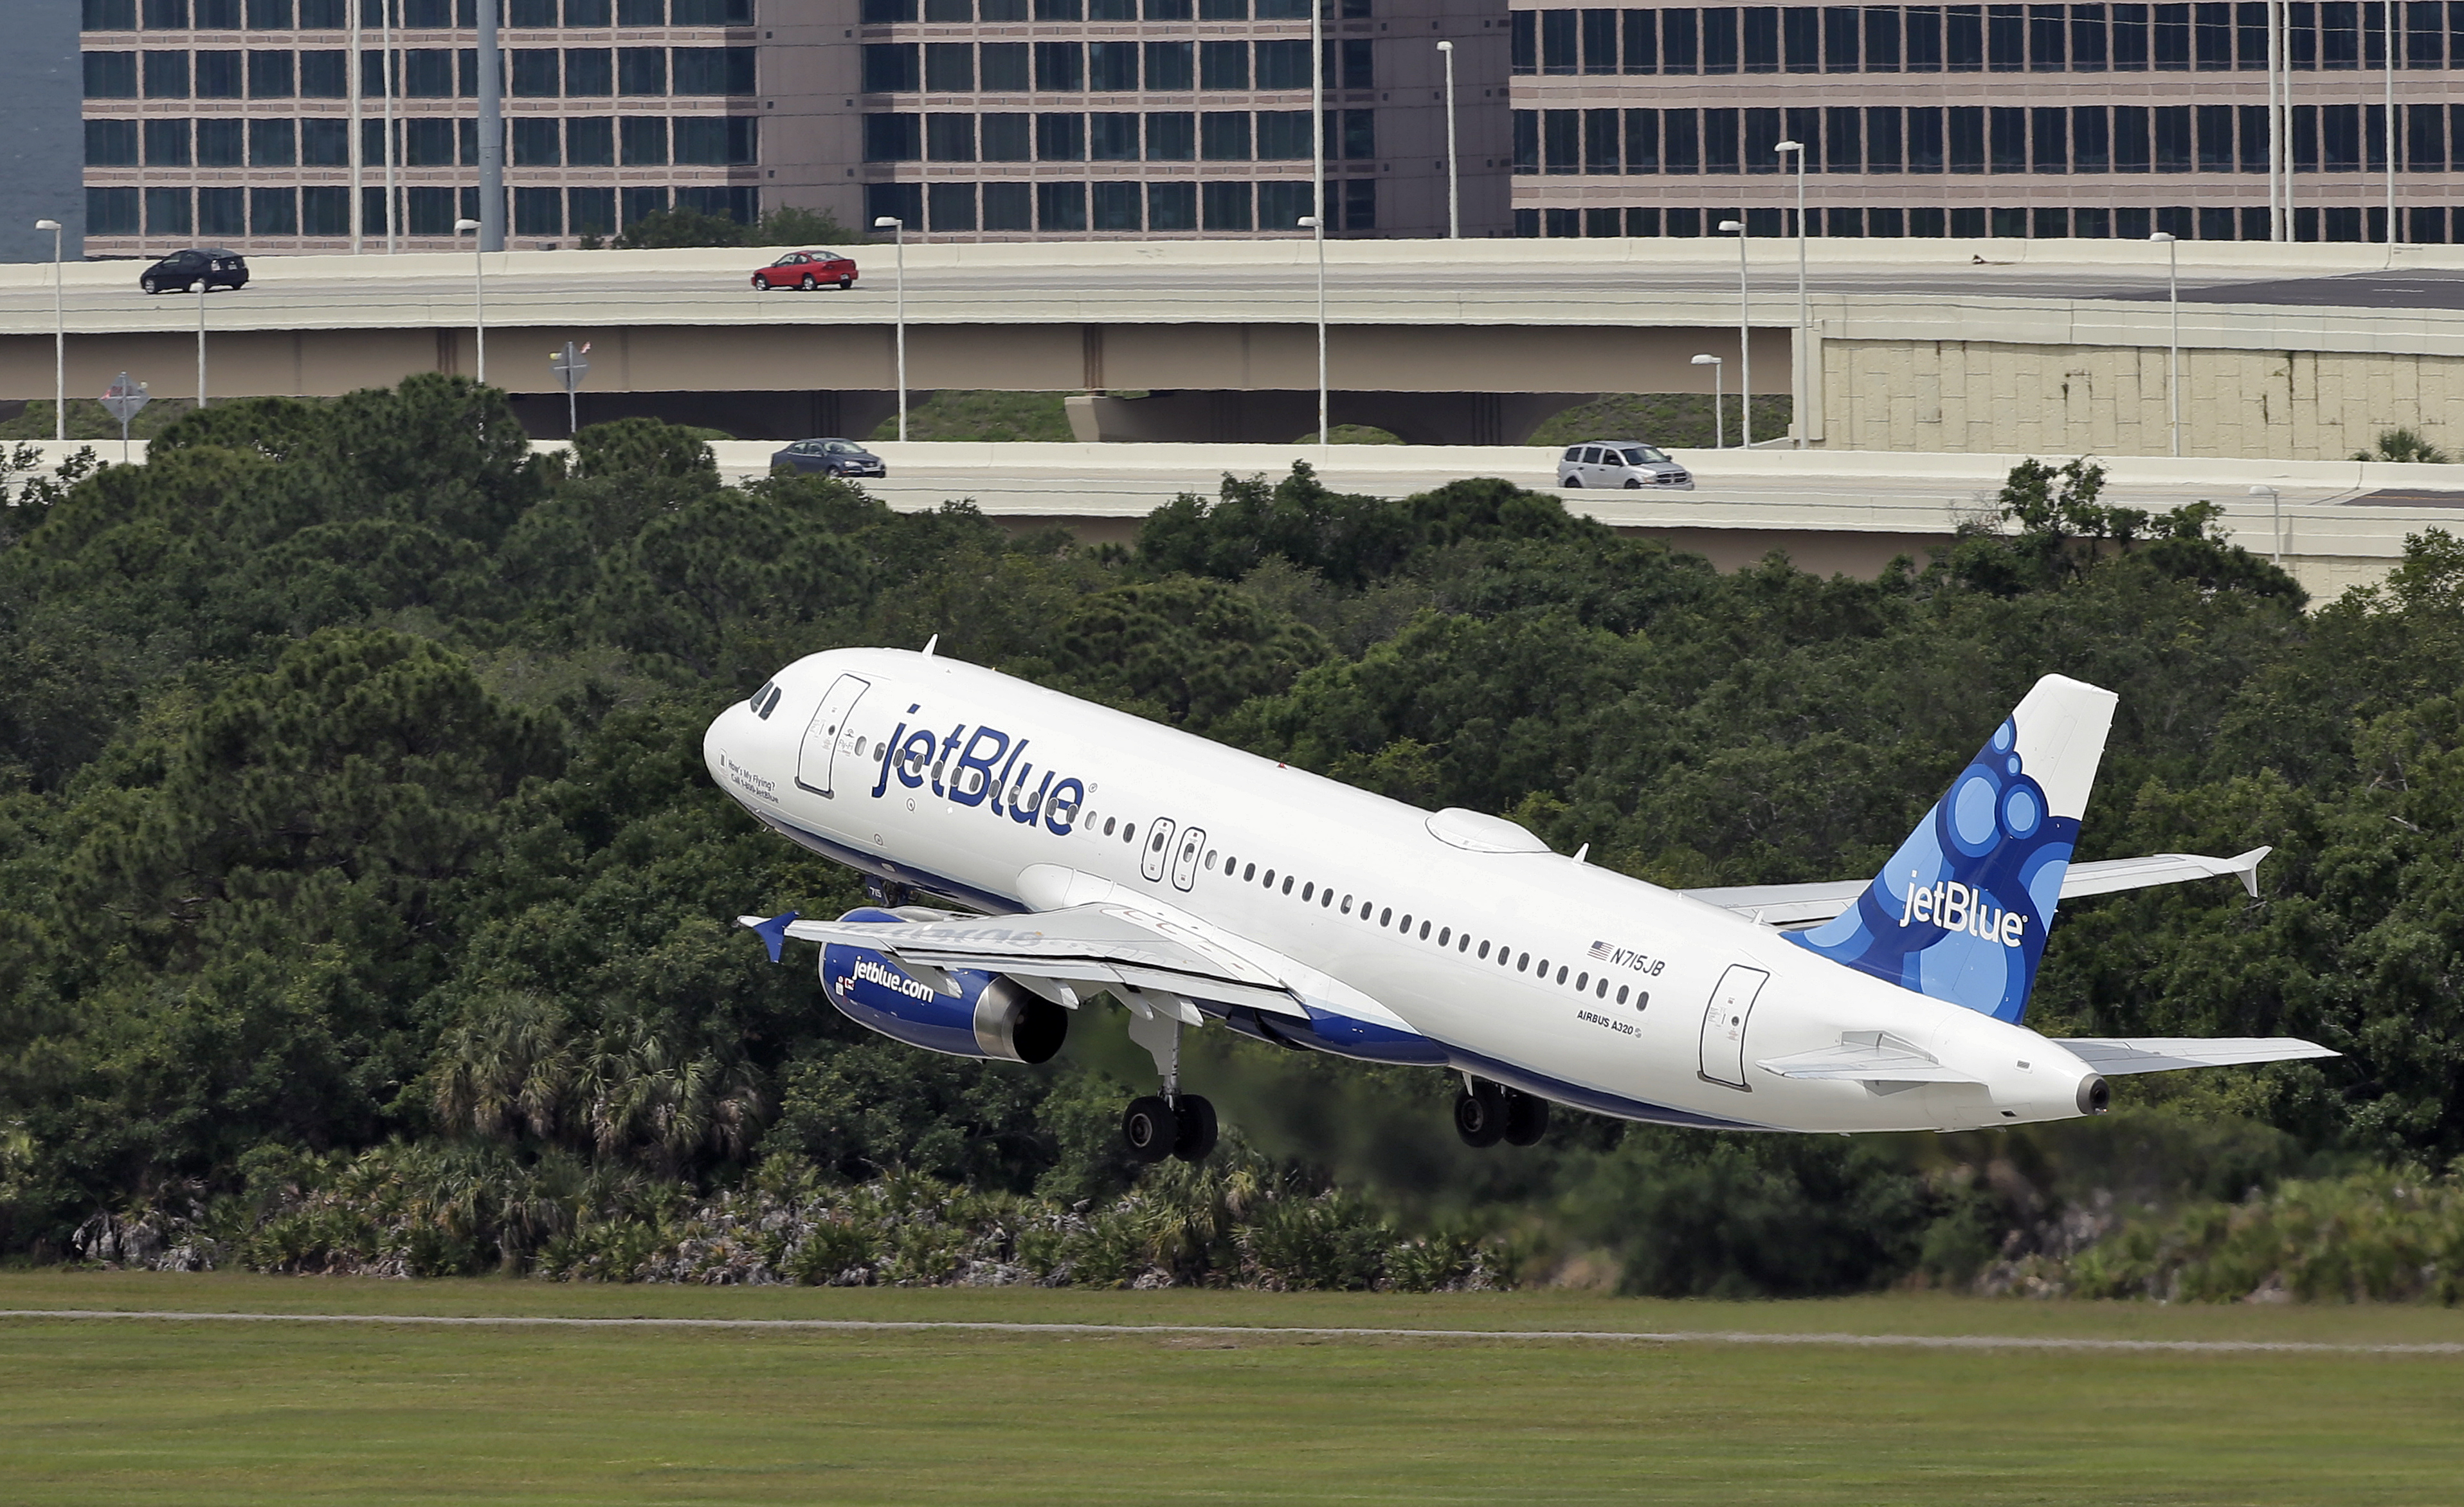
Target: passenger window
[(1643, 1001), (1445, 936), (1425, 932), (1621, 990), (1347, 905), (1583, 982), (1130, 833), (1308, 891), (1524, 965), (1386, 917), (1325, 898), (1602, 992), (1108, 826), (1210, 861), (1249, 874), (1270, 878), (1484, 952), (1156, 844), (1288, 886)]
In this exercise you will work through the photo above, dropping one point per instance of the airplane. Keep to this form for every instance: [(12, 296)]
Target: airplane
[(1075, 851)]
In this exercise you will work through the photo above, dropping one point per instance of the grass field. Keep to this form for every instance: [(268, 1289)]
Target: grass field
[(215, 1412)]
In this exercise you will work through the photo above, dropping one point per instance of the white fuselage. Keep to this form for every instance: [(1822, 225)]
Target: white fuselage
[(1620, 1019)]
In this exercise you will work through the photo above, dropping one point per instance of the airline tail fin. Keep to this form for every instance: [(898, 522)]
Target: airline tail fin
[(1960, 911)]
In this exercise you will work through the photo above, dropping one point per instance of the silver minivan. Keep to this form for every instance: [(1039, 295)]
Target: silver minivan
[(1621, 463)]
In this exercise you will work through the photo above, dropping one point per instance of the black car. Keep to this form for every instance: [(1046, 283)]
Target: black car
[(183, 270), (829, 458)]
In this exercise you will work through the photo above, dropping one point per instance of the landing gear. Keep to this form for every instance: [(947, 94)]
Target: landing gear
[(888, 894), (1150, 1128), (1487, 1113), (1526, 1119), (1196, 1137), (1480, 1114), (1155, 1129)]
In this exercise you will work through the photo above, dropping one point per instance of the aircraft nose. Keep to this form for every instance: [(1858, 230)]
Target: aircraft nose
[(715, 740)]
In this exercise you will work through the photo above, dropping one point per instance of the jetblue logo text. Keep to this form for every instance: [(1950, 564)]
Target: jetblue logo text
[(868, 971), (1954, 906), (985, 767)]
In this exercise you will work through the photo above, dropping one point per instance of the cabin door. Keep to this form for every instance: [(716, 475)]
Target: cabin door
[(1724, 1024), (826, 732)]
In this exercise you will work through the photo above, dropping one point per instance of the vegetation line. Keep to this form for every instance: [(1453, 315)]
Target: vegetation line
[(1312, 1331)]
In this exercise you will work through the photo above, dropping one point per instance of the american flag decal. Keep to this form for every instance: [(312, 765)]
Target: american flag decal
[(1600, 950)]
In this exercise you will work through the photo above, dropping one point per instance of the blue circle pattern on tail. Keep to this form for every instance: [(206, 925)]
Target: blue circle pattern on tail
[(1960, 912)]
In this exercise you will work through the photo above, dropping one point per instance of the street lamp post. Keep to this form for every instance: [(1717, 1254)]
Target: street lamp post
[(59, 338), (898, 226), (2173, 353), (1454, 199), (2277, 500), (1718, 437), (1745, 342), (201, 344), (478, 291), (1800, 375), (1317, 226)]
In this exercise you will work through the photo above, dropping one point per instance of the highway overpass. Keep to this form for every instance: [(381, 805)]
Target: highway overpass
[(2296, 352)]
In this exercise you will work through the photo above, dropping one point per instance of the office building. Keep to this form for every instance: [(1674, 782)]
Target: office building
[(1999, 120), (249, 122), (232, 120), (996, 118), (38, 165)]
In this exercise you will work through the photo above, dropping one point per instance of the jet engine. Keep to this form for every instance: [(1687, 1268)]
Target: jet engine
[(990, 1016)]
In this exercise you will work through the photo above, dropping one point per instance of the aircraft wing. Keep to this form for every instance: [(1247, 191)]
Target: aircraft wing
[(1790, 906), (2114, 1056), (1060, 954)]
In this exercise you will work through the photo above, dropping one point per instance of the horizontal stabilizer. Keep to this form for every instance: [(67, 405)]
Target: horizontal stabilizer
[(1792, 905), (1067, 952), (2114, 1056), (1868, 1056)]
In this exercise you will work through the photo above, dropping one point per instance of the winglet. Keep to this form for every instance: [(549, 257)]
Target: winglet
[(2246, 865), (931, 644), (772, 932)]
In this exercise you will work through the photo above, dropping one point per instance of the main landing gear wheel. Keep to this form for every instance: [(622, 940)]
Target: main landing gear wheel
[(1480, 1114), (1526, 1119), (1151, 1128), (1196, 1136)]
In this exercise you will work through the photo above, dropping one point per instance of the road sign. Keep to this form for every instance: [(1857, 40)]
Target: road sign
[(123, 400), (570, 364)]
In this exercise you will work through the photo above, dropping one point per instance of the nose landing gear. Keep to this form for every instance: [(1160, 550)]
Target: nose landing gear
[(1487, 1113)]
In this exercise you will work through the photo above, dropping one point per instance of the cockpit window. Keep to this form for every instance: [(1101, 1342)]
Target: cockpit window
[(766, 701), (754, 699)]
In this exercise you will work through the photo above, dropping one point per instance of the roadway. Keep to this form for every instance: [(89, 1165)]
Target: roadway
[(1516, 283)]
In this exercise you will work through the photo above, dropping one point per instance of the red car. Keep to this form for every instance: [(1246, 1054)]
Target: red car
[(808, 270)]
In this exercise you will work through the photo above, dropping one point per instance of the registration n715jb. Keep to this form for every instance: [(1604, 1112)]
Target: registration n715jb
[(1071, 852)]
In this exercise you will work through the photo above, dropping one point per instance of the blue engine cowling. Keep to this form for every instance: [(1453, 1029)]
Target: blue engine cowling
[(990, 1016)]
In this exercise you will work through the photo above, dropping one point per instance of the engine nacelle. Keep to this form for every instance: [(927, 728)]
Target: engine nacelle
[(990, 1016)]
